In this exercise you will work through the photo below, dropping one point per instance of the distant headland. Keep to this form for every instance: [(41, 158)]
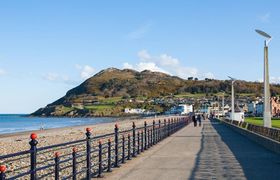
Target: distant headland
[(111, 91)]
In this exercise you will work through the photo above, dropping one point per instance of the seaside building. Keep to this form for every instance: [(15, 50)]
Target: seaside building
[(238, 114), (252, 107), (134, 111), (275, 106), (259, 109)]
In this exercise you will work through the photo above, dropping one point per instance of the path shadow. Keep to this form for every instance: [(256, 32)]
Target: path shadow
[(225, 154)]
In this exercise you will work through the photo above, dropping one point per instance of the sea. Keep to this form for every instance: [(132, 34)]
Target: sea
[(11, 123)]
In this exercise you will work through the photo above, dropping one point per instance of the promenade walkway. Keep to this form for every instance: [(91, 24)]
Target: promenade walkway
[(212, 151)]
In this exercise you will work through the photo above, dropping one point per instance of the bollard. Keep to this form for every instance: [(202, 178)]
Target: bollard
[(100, 168), (56, 166), (109, 156), (74, 163), (33, 156), (145, 129), (154, 133), (133, 140), (2, 172), (128, 147), (88, 158), (142, 141), (123, 149), (116, 146), (138, 142)]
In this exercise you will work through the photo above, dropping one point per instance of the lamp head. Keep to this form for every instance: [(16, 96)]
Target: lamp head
[(231, 78), (264, 34)]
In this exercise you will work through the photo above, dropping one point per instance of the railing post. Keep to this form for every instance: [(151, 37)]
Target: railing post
[(133, 140), (88, 158), (164, 129), (2, 172), (168, 128), (159, 130), (128, 147), (145, 130), (56, 166), (33, 156), (148, 139), (138, 142), (172, 126), (116, 146), (142, 141), (123, 149), (100, 167), (154, 133), (109, 156), (151, 137), (74, 163)]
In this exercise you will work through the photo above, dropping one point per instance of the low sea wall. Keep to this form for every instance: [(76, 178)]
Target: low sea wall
[(267, 137)]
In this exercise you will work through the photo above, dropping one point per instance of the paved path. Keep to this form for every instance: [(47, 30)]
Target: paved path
[(212, 151)]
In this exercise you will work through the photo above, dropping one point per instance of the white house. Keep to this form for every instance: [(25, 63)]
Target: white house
[(238, 115), (134, 111), (184, 108), (259, 109), (252, 107)]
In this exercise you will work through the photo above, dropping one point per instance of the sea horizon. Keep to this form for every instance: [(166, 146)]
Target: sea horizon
[(14, 123)]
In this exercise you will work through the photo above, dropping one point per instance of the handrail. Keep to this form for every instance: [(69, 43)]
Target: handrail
[(91, 156), (272, 133)]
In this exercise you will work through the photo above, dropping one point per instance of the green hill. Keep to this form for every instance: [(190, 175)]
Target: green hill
[(108, 92)]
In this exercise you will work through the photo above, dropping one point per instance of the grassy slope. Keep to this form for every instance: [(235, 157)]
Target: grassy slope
[(259, 121)]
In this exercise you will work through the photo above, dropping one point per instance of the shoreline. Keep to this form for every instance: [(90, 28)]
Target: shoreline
[(113, 119), (15, 142)]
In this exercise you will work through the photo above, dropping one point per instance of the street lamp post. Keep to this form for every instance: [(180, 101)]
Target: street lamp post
[(223, 104), (232, 97), (267, 111), (218, 108)]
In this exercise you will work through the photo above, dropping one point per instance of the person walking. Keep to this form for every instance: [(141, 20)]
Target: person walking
[(199, 120), (194, 120)]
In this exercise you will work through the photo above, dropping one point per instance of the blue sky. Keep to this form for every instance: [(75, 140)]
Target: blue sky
[(49, 47)]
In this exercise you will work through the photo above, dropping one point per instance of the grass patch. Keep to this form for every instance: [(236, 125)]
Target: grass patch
[(111, 100), (259, 121), (66, 109), (189, 95), (99, 107)]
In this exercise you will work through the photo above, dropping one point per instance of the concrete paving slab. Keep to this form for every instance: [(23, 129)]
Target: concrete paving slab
[(212, 151)]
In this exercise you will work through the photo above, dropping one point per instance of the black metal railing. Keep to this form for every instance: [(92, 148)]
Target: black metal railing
[(89, 157), (272, 133)]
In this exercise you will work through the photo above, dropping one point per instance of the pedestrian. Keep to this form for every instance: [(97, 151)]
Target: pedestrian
[(199, 120), (194, 120)]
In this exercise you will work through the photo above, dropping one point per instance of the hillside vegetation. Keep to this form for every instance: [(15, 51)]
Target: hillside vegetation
[(107, 93)]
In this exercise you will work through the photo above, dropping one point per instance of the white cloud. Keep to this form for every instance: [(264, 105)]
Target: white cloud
[(144, 66), (274, 80), (209, 75), (140, 32), (2, 72), (85, 71), (166, 60), (51, 76), (143, 55), (166, 64), (265, 18), (127, 66)]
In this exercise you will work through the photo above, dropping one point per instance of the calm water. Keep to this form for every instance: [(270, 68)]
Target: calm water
[(20, 123)]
